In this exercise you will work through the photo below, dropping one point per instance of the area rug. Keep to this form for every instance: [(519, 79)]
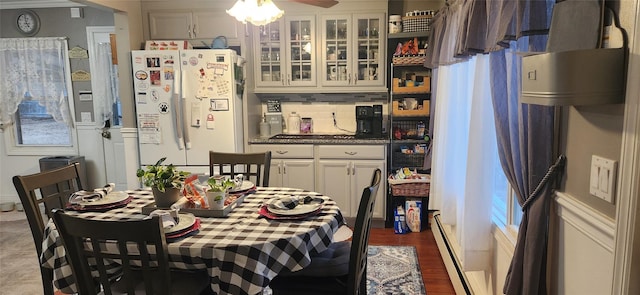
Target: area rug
[(392, 270)]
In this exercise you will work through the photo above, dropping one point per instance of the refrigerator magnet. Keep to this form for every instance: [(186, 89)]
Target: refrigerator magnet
[(219, 104), (211, 123), (163, 107), (195, 114)]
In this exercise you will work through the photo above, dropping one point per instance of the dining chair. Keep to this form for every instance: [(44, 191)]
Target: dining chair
[(254, 166), (342, 268), (40, 193), (135, 242)]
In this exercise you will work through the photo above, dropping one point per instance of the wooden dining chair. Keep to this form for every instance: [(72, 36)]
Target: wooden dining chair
[(40, 193), (341, 269), (254, 166), (132, 241)]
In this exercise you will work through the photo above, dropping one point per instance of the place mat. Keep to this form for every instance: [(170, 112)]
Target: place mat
[(99, 208), (190, 231), (263, 211)]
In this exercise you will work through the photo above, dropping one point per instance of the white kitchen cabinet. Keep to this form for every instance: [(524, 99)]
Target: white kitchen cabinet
[(353, 50), (285, 53), (189, 25), (291, 165), (345, 170)]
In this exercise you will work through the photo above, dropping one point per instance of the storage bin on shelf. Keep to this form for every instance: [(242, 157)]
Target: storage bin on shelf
[(418, 187), (397, 111), (403, 60), (425, 87), (416, 23)]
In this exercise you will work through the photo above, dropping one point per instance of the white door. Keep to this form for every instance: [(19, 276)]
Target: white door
[(104, 163)]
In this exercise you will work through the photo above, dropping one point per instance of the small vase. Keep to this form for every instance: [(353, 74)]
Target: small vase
[(167, 198), (216, 204)]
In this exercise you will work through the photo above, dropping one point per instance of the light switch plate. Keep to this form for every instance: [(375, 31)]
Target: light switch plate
[(603, 178)]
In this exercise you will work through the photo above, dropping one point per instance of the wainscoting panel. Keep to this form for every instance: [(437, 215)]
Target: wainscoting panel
[(584, 245)]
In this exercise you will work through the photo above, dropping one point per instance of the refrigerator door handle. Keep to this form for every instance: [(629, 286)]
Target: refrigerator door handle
[(176, 110), (184, 124)]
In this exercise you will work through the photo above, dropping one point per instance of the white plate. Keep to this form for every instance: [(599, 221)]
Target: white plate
[(245, 186), (110, 198), (300, 209), (186, 221)]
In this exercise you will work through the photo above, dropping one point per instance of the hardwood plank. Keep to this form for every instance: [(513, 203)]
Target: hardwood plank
[(434, 273)]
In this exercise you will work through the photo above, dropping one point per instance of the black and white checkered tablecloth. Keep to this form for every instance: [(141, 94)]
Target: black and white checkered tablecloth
[(241, 252)]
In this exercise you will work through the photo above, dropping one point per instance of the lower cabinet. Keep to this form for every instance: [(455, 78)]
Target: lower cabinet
[(338, 171), (291, 165), (344, 171), (292, 173)]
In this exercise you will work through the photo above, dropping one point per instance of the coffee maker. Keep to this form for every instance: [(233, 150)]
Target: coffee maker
[(369, 121)]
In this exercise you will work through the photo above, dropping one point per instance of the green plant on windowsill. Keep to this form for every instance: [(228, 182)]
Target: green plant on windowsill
[(162, 177)]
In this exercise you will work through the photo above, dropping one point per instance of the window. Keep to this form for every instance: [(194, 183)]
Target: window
[(35, 114)]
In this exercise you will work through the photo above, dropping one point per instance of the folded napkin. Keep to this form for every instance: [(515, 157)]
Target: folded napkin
[(169, 217), (284, 202), (91, 196), (180, 203)]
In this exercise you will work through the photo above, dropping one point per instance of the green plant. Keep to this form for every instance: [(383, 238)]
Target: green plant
[(219, 185), (162, 176)]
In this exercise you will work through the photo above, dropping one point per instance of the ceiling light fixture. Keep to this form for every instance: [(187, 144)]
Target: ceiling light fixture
[(257, 12)]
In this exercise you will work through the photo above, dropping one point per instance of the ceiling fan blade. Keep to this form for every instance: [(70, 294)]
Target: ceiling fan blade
[(320, 3)]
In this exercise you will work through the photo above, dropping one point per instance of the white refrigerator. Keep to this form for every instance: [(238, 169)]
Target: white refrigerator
[(187, 104)]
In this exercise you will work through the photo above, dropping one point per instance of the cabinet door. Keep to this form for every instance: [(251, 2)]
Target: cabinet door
[(275, 173), (211, 24), (170, 25), (300, 51), (369, 46), (334, 182), (361, 178), (270, 55), (336, 43), (299, 174)]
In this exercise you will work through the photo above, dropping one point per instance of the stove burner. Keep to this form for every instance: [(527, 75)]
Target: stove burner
[(313, 136)]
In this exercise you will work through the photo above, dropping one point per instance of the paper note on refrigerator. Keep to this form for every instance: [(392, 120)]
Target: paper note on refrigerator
[(149, 128)]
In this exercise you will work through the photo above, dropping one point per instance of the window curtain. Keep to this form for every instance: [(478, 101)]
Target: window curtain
[(33, 68), (525, 139), (465, 146), (108, 90), (464, 32)]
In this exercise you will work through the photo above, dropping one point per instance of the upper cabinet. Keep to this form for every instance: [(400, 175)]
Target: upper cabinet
[(321, 52), (285, 54), (353, 50), (190, 25)]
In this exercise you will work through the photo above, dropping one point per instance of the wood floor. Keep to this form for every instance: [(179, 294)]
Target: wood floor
[(434, 273)]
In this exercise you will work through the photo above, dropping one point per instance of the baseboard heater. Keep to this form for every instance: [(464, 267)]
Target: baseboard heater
[(451, 261)]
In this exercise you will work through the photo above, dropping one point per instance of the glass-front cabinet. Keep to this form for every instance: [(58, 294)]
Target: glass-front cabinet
[(353, 50), (285, 53)]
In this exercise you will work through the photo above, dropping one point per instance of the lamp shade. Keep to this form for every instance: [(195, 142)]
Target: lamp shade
[(257, 12)]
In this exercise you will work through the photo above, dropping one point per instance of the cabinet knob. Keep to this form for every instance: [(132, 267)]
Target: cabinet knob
[(195, 32), (351, 153), (189, 31), (282, 152)]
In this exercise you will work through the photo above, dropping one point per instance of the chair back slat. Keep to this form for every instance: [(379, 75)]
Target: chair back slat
[(254, 166), (357, 278), (133, 240), (49, 189)]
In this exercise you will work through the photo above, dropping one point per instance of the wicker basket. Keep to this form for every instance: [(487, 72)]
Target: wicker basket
[(409, 59), (410, 187)]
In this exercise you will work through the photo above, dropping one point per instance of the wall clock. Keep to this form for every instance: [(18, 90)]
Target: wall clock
[(28, 22)]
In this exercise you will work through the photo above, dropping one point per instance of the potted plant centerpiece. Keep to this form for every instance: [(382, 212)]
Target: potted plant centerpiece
[(165, 181), (217, 191)]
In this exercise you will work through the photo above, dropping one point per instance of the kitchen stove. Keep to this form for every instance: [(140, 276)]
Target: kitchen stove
[(314, 136)]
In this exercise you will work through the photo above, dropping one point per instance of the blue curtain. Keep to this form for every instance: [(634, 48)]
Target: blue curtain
[(525, 135)]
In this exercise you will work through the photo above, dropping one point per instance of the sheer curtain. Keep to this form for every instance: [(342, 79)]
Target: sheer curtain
[(109, 89), (465, 147), (33, 68)]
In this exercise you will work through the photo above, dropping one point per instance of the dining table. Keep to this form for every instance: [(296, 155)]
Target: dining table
[(241, 251)]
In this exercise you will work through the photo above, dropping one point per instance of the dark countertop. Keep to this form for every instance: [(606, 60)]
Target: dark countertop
[(318, 139)]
